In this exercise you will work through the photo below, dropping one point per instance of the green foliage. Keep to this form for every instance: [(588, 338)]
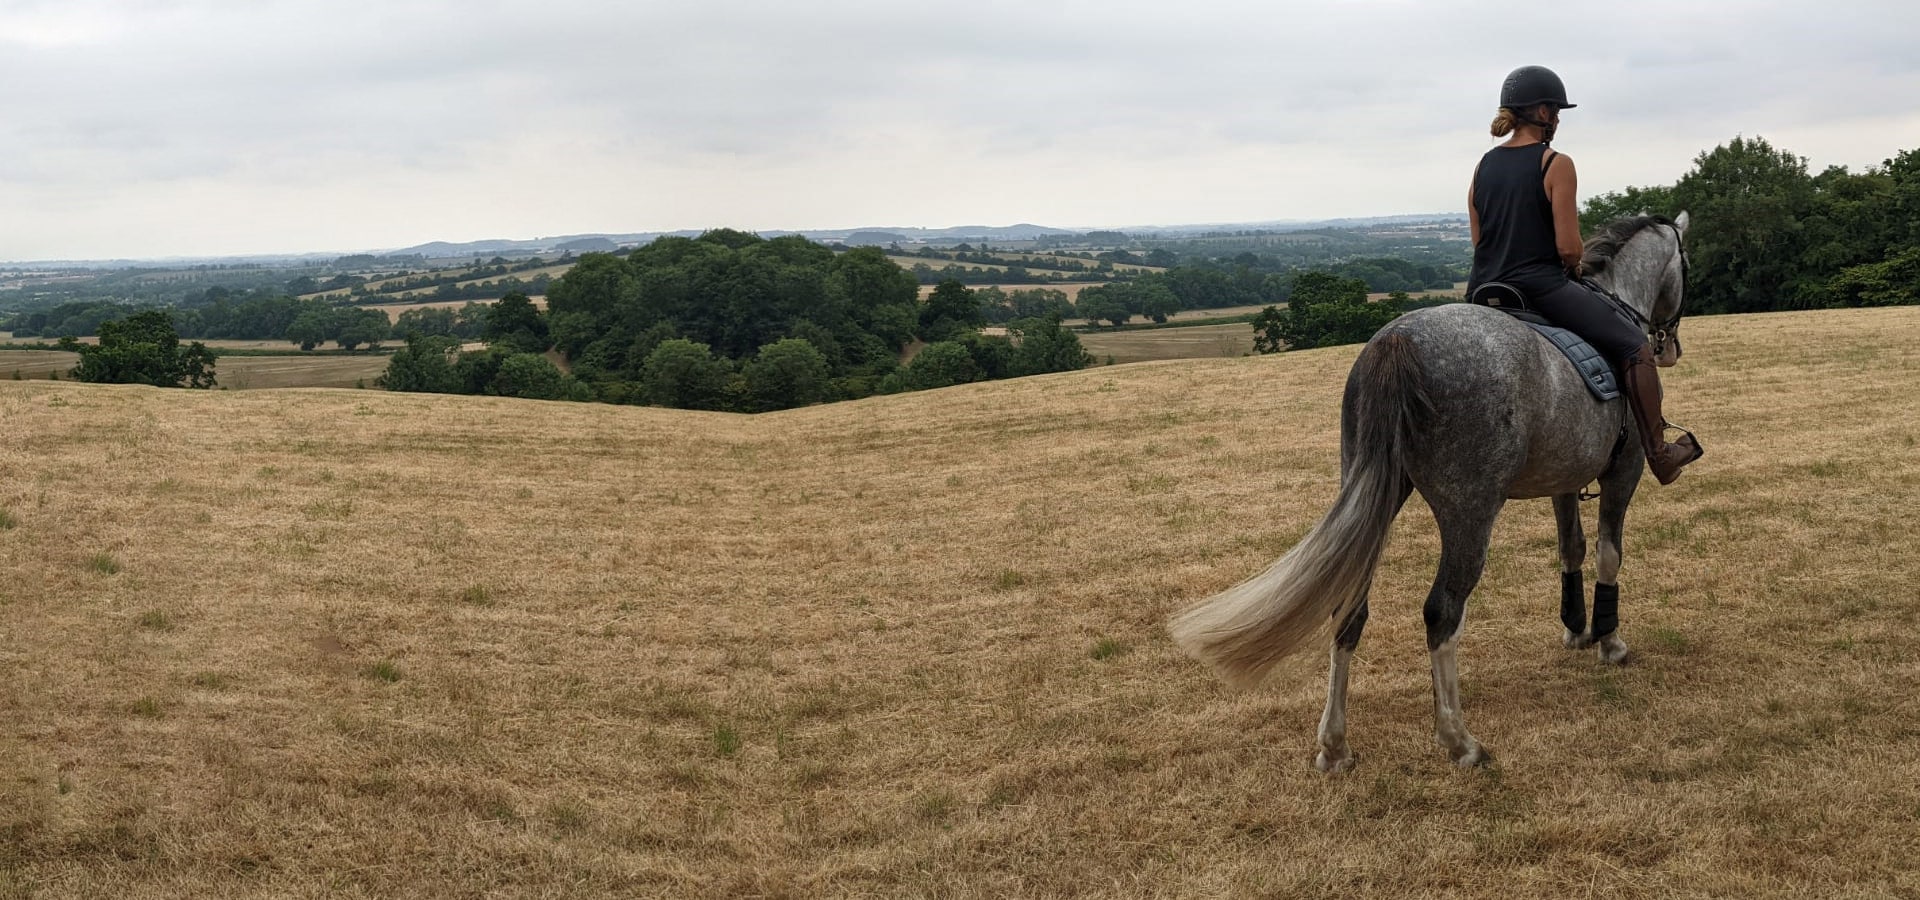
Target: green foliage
[(941, 364), (685, 375), (1891, 282), (1102, 304), (532, 376), (424, 366), (143, 349), (786, 373), (733, 294), (1632, 201), (1044, 345), (515, 323), (1323, 310), (1767, 235), (950, 311)]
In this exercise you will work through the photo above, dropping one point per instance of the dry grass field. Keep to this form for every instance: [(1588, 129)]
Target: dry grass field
[(1193, 342), (354, 644), (237, 373)]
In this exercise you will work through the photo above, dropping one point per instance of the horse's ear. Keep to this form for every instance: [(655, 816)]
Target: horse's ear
[(1680, 221)]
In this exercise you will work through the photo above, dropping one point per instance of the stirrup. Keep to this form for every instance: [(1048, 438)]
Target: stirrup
[(1686, 436)]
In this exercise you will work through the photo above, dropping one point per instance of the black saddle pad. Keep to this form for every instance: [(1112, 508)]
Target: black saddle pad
[(1593, 368)]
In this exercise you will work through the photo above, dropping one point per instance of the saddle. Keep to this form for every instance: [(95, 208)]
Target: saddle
[(1594, 369)]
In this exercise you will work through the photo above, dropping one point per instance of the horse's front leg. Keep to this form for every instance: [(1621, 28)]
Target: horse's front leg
[(1573, 555), (1606, 590), (1463, 555)]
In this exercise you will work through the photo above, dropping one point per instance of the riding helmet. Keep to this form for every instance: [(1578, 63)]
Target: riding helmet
[(1531, 86)]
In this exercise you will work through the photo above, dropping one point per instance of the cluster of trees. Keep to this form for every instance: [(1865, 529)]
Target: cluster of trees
[(1767, 234), (1326, 309), (143, 348), (733, 321), (1001, 307)]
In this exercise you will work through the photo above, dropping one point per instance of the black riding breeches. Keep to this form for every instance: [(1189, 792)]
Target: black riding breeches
[(1575, 307)]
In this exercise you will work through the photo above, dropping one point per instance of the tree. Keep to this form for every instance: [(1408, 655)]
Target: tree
[(951, 310), (514, 322), (1324, 310), (1104, 303), (361, 326), (786, 373), (1747, 202), (940, 364), (310, 329), (423, 366), (1891, 282), (1043, 345), (534, 377), (143, 348), (684, 374), (1633, 201)]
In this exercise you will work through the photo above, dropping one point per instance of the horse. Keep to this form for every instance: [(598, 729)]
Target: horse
[(1472, 408)]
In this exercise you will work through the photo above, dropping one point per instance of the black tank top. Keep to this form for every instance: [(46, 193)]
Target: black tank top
[(1516, 221)]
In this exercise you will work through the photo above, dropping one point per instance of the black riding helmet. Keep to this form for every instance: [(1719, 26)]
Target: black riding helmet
[(1530, 86)]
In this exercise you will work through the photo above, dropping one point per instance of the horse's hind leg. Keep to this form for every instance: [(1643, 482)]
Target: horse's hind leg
[(1606, 589), (1335, 755), (1463, 555), (1573, 555)]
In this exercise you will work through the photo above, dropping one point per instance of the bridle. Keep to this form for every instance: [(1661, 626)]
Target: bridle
[(1658, 333)]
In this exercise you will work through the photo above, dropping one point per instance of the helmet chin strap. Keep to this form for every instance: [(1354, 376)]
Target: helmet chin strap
[(1546, 128)]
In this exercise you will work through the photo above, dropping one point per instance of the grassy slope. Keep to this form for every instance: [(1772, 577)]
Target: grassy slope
[(362, 644)]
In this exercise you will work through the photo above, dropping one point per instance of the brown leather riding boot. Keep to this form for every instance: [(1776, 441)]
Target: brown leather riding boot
[(1642, 380)]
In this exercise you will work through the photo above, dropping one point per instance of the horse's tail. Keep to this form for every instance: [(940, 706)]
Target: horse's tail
[(1243, 631)]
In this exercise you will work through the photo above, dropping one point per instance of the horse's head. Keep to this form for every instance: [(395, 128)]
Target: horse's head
[(1643, 259), (1671, 298)]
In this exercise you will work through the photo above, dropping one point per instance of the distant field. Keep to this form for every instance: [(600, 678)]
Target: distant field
[(237, 373), (1198, 342), (553, 271)]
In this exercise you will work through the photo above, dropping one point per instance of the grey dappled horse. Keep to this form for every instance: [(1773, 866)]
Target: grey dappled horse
[(1470, 408)]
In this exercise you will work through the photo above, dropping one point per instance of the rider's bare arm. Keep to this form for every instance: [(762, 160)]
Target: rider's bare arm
[(1473, 215), (1562, 185)]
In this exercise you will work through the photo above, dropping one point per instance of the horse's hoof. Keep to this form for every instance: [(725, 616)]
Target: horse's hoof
[(1576, 641), (1611, 649), (1334, 765), (1475, 757)]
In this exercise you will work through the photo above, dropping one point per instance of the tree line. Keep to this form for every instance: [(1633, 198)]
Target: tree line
[(1768, 234)]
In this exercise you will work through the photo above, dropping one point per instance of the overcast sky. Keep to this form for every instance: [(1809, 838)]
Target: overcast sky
[(138, 128)]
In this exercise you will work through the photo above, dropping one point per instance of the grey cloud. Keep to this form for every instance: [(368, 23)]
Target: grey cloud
[(108, 96)]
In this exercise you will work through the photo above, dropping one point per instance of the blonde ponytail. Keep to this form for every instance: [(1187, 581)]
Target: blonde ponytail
[(1505, 122)]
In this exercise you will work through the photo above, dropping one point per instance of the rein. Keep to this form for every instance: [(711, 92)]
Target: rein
[(1660, 332)]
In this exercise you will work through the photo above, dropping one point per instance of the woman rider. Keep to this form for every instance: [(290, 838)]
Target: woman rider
[(1526, 233)]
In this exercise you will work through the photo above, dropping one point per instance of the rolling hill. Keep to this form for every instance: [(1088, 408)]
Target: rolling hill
[(352, 643)]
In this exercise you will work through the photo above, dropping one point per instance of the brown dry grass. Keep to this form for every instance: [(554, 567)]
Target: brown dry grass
[(351, 644), (1193, 342), (237, 373)]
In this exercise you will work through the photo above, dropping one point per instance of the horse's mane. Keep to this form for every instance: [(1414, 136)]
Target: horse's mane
[(1604, 246)]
